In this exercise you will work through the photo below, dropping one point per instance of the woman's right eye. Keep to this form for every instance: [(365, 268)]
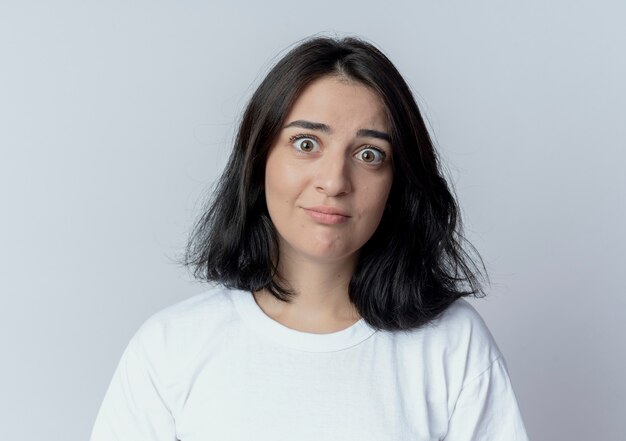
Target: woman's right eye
[(304, 143)]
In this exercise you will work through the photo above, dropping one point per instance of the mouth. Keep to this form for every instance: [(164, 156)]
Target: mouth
[(329, 216)]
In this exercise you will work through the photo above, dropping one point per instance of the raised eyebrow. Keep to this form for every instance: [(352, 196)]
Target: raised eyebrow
[(309, 125), (369, 133)]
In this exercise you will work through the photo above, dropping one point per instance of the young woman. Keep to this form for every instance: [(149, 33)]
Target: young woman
[(334, 250)]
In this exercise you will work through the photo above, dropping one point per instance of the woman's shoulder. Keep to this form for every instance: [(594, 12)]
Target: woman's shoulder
[(461, 325), (462, 315), (208, 304), (459, 337), (174, 332)]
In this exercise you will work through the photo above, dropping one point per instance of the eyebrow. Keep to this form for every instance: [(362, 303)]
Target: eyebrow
[(370, 133)]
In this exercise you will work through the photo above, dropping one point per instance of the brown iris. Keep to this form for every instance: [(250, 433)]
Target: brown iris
[(368, 156), (307, 145)]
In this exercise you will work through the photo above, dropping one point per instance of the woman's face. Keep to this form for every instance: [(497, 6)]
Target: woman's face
[(332, 154)]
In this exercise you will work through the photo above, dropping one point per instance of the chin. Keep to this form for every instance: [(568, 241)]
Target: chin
[(317, 247), (331, 255)]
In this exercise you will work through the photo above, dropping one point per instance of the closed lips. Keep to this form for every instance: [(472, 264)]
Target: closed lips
[(328, 210)]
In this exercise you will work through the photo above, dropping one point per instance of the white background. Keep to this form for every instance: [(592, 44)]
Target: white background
[(116, 116)]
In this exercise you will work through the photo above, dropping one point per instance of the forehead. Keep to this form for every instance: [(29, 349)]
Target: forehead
[(340, 102)]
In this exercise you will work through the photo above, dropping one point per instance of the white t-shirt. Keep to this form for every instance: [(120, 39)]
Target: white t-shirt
[(216, 367)]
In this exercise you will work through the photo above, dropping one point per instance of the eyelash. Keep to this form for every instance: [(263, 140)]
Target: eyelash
[(295, 138)]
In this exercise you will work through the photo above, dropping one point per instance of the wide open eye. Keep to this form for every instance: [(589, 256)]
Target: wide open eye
[(371, 155), (304, 143)]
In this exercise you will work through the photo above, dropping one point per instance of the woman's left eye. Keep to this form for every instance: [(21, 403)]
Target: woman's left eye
[(371, 155)]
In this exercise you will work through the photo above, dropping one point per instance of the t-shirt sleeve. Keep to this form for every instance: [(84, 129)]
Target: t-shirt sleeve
[(134, 407), (487, 409)]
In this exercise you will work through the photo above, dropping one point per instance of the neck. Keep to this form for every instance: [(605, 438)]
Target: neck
[(321, 302)]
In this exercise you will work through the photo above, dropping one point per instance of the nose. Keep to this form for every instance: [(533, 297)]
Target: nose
[(332, 176)]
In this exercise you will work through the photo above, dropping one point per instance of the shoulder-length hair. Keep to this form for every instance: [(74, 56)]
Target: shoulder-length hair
[(411, 269)]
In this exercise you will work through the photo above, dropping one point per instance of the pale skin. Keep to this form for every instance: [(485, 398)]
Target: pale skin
[(344, 165)]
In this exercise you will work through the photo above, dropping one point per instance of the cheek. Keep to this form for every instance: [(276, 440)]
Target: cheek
[(282, 183), (374, 196)]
